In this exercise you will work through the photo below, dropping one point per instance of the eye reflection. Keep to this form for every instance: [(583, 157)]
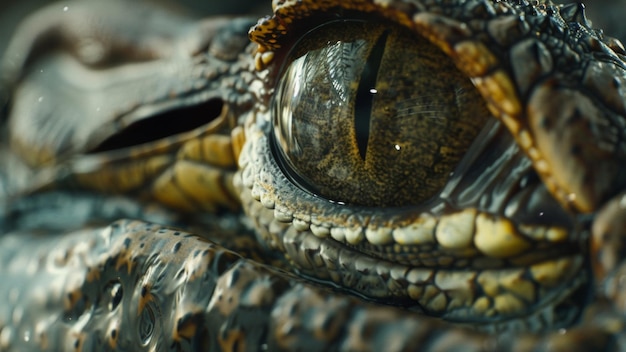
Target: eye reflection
[(335, 65), (369, 114)]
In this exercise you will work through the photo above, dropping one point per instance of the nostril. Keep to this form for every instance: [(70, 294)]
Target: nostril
[(162, 125)]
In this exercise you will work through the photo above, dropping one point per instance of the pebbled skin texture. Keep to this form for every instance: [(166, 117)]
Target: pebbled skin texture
[(77, 276)]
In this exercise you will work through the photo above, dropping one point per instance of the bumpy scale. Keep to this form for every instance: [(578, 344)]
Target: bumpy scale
[(386, 175)]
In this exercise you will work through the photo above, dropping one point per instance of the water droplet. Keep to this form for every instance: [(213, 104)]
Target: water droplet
[(540, 213), (397, 147), (373, 90)]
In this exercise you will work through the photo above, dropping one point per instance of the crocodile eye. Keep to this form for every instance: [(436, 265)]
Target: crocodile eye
[(369, 114)]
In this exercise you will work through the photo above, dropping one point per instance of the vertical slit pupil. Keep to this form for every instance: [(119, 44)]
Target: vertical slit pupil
[(365, 94)]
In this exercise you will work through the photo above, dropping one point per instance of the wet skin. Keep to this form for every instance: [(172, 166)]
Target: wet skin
[(418, 175)]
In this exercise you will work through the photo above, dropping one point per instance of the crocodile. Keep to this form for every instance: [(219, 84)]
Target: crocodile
[(176, 184)]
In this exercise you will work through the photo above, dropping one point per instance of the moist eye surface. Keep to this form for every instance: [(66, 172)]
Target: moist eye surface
[(367, 114)]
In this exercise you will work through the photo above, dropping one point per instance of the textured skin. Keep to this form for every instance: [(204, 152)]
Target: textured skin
[(74, 277)]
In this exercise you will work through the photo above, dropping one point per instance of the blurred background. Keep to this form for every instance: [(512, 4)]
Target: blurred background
[(13, 11), (606, 14)]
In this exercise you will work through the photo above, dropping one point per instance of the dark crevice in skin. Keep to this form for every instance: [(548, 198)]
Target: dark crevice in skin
[(4, 103), (365, 94), (163, 125)]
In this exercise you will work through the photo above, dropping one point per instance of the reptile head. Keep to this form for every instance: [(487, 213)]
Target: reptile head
[(452, 157), (443, 157)]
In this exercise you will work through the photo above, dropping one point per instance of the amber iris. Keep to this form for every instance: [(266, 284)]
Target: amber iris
[(367, 113)]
